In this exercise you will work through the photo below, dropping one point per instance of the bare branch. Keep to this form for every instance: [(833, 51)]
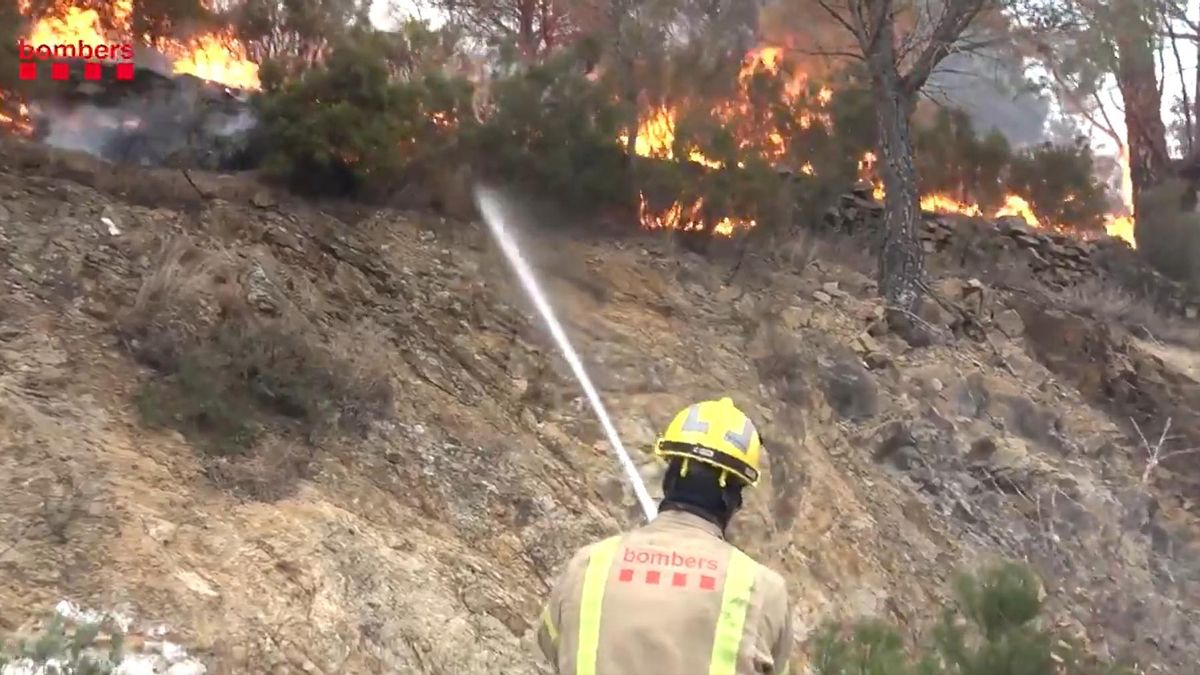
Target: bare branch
[(1154, 453), (839, 18), (827, 52), (1187, 104), (1069, 101), (957, 16)]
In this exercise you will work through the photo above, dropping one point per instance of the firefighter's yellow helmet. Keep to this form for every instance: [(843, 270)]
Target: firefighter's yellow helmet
[(715, 433)]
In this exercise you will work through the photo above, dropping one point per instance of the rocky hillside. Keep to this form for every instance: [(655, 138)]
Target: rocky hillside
[(296, 441)]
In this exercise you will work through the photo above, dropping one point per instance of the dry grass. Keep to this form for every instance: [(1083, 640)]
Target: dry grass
[(1110, 303), (227, 374), (852, 252)]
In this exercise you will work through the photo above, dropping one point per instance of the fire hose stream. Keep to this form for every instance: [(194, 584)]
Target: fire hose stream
[(493, 215)]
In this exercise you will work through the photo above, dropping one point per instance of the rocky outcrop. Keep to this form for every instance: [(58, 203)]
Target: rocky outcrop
[(1008, 248)]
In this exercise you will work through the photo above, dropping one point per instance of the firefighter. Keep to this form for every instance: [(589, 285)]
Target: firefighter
[(673, 597)]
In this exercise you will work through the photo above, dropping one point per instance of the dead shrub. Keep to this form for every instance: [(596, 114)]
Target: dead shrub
[(803, 246), (855, 252), (270, 473), (1107, 302), (227, 374)]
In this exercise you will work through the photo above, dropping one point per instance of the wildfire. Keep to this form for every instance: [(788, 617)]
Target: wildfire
[(14, 116), (215, 56), (656, 138), (687, 218), (1121, 227), (1117, 226)]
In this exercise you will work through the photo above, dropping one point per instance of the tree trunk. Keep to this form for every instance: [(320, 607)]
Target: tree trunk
[(1149, 162), (901, 259), (1196, 107), (526, 38)]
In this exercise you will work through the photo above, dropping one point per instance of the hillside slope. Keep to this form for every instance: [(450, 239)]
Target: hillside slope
[(416, 526)]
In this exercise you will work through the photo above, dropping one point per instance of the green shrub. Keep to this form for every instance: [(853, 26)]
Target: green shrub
[(1168, 236), (556, 130), (1060, 184), (994, 630), (348, 127)]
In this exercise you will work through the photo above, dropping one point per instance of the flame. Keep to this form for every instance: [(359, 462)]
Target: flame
[(75, 25), (1118, 226), (1015, 205), (14, 117), (656, 136), (656, 139), (215, 56), (1121, 226), (686, 218)]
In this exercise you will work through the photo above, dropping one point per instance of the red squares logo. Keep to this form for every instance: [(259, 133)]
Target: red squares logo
[(60, 71), (125, 71), (659, 577), (29, 70), (91, 70)]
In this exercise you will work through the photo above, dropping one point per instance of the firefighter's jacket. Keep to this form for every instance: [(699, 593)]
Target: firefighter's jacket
[(669, 598)]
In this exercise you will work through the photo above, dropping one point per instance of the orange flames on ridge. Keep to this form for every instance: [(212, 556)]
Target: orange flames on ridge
[(656, 139), (1120, 227), (216, 56)]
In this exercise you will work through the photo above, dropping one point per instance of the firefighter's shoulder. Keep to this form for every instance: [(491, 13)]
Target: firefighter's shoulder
[(584, 554), (769, 581)]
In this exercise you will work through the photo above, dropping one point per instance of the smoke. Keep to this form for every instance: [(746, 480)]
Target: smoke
[(993, 92), (155, 120)]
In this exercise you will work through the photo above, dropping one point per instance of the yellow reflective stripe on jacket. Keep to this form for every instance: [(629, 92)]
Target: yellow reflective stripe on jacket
[(551, 629), (595, 580), (735, 602)]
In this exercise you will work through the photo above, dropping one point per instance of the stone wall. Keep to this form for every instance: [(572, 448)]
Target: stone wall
[(1008, 247)]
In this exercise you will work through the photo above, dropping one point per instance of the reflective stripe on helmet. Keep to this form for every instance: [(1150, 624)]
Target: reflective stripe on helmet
[(595, 579), (735, 602)]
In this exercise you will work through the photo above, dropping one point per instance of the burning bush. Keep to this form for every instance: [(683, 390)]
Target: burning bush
[(961, 170), (1059, 183), (953, 159)]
